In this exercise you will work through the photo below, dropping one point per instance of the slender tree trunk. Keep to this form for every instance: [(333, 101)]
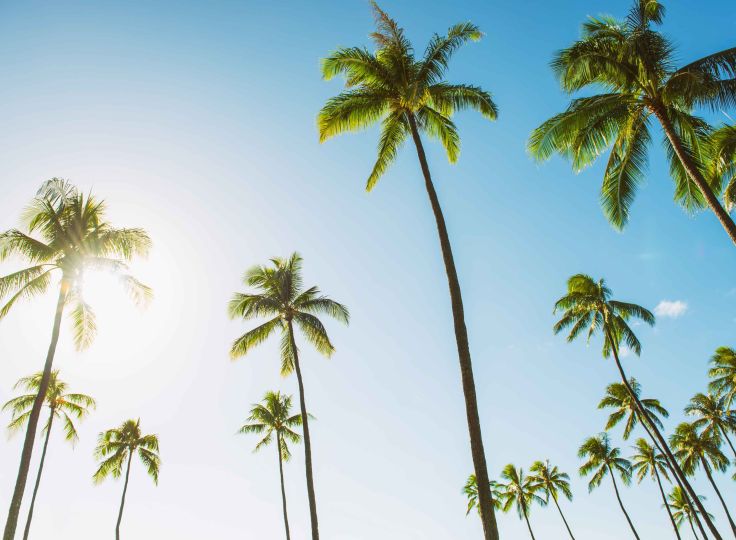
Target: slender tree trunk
[(563, 517), (307, 439), (620, 503), (666, 504), (125, 490), (718, 492), (728, 441), (283, 490), (485, 499), (528, 525), (38, 476), (662, 442), (25, 460), (692, 528), (694, 173)]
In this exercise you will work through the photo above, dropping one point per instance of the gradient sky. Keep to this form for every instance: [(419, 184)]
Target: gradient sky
[(196, 121)]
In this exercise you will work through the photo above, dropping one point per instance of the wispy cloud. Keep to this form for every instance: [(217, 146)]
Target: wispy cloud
[(671, 309)]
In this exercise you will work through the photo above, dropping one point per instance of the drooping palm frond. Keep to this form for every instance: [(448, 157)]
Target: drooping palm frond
[(619, 398), (272, 418), (116, 446)]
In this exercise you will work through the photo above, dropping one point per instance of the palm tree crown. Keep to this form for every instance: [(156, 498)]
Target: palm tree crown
[(648, 461), (550, 480), (723, 373), (694, 449), (618, 397), (273, 416), (117, 445), (714, 415), (519, 491), (471, 492), (681, 509), (600, 456)]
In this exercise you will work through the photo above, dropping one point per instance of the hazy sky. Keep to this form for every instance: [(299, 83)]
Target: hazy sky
[(196, 121)]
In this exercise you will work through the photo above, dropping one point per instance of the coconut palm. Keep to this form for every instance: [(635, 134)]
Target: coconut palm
[(723, 148), (471, 492), (279, 297), (635, 66), (73, 237), (700, 449), (601, 459), (551, 481), (648, 461), (519, 491), (115, 450), (714, 416), (410, 98), (588, 308), (682, 509), (63, 406), (272, 418), (723, 373), (618, 398)]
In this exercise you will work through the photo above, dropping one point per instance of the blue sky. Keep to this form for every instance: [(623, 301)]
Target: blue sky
[(197, 122)]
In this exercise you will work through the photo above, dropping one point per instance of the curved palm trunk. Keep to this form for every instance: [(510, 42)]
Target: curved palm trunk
[(695, 175), (283, 490), (38, 477), (563, 517), (620, 503), (125, 490), (526, 518), (725, 435), (25, 460), (666, 504), (662, 442), (720, 497), (692, 528), (307, 439), (485, 499)]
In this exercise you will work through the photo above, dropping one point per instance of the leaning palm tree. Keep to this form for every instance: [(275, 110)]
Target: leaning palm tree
[(700, 449), (682, 509), (714, 416), (648, 461), (602, 459), (279, 297), (64, 406), (635, 66), (471, 492), (723, 373), (588, 308), (618, 398), (272, 417), (410, 98), (519, 491), (115, 450), (73, 237), (551, 481)]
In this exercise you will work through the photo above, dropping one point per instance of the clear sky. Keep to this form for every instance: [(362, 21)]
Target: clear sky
[(196, 121)]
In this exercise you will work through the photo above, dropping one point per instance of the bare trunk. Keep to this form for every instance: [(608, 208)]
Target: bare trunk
[(692, 528), (528, 525), (718, 492), (725, 435), (621, 504), (38, 476), (122, 501), (283, 489), (563, 517), (666, 504)]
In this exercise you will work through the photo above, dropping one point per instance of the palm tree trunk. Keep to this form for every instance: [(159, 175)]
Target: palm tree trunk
[(720, 497), (666, 504), (125, 490), (307, 439), (692, 528), (694, 173), (283, 490), (620, 503), (38, 476), (485, 499), (526, 518), (662, 442), (25, 460), (563, 517), (725, 434)]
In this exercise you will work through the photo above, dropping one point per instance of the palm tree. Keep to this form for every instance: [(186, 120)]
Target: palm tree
[(588, 307), (648, 461), (552, 482), (618, 398), (409, 98), (115, 449), (682, 509), (280, 298), (602, 459), (74, 236), (694, 450), (634, 64), (519, 491), (723, 148), (471, 492), (714, 416), (273, 416), (723, 373), (62, 405)]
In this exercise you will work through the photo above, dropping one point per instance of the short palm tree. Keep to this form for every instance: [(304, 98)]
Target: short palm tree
[(63, 405), (699, 449), (410, 98), (74, 236), (714, 416), (272, 418), (279, 297), (618, 398), (551, 482), (115, 450), (648, 461), (722, 373), (682, 509), (471, 492), (588, 308), (519, 491), (601, 459), (634, 64)]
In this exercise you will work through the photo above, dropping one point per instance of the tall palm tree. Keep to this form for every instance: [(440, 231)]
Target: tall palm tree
[(273, 417), (620, 399), (648, 461), (519, 491), (279, 297), (115, 450), (73, 236), (602, 459), (588, 308), (694, 450), (62, 405), (410, 98), (714, 416), (471, 492), (634, 64), (551, 481), (723, 373), (682, 509)]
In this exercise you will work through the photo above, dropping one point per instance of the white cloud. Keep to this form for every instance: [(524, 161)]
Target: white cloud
[(671, 309)]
